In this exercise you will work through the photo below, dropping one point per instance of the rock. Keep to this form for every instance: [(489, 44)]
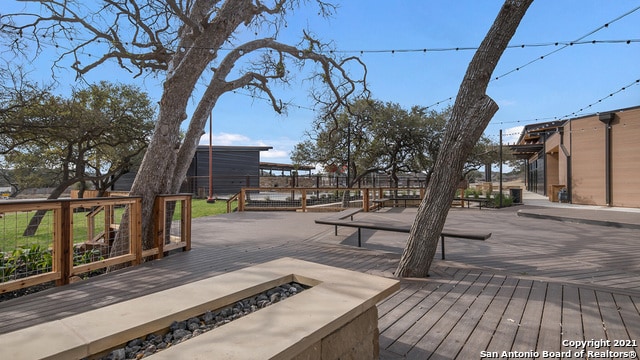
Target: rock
[(182, 325), (183, 330), (131, 350), (168, 337), (135, 342), (117, 354), (208, 317), (275, 297), (180, 333)]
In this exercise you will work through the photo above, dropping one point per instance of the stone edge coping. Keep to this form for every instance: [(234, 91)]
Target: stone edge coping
[(280, 330)]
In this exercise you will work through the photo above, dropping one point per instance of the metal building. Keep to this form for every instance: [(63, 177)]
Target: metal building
[(234, 167)]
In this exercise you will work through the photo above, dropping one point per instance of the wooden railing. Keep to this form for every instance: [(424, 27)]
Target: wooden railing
[(313, 199), (168, 236), (230, 201), (59, 240)]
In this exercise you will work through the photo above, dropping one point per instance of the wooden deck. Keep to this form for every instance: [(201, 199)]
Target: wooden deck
[(533, 285)]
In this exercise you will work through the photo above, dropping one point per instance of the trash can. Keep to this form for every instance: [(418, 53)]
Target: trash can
[(516, 195), (563, 196)]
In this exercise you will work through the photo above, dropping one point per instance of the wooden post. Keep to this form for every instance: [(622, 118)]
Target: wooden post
[(241, 200), (159, 215), (365, 200), (185, 230), (135, 229), (63, 238), (91, 226), (303, 200), (109, 235)]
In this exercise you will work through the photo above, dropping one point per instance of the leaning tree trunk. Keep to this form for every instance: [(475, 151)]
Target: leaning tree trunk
[(471, 114), (36, 219), (161, 171)]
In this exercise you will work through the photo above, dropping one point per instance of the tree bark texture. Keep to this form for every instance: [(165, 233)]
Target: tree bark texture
[(167, 159), (159, 172), (36, 219), (471, 114)]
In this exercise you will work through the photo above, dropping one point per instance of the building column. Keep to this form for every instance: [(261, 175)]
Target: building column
[(607, 119)]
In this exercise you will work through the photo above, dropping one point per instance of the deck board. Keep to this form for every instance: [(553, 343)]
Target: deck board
[(591, 320), (510, 321), (527, 333), (462, 330), (571, 316), (630, 313), (549, 336), (442, 329), (402, 335), (612, 320), (480, 339)]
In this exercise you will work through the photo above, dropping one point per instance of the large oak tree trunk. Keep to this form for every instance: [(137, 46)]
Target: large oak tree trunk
[(471, 114), (162, 170)]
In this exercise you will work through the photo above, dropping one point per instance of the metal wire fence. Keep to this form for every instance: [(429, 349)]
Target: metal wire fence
[(25, 248), (58, 240), (314, 199)]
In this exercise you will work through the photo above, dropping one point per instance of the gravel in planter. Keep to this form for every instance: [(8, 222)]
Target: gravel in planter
[(180, 331)]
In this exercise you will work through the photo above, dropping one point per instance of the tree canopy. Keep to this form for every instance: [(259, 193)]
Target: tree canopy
[(95, 135), (374, 136)]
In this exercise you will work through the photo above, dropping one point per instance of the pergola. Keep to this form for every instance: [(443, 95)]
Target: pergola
[(270, 167)]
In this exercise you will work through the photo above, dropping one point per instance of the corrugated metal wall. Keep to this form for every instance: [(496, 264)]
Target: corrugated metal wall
[(233, 168)]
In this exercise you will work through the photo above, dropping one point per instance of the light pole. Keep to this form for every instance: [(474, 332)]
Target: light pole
[(210, 199), (501, 195), (348, 151)]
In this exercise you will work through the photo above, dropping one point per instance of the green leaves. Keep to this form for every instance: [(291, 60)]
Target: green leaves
[(93, 135), (378, 136), (24, 261)]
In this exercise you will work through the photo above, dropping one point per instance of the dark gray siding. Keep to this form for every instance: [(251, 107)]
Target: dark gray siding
[(234, 167)]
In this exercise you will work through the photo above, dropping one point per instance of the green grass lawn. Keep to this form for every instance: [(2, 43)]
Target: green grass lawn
[(12, 225), (200, 208)]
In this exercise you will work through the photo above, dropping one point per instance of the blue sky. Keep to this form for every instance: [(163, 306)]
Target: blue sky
[(559, 85)]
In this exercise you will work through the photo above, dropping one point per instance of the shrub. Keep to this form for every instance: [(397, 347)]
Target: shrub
[(24, 261), (506, 200)]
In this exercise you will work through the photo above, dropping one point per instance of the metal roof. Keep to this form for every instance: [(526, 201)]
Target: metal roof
[(284, 167)]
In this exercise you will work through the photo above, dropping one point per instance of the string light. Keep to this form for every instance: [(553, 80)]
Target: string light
[(563, 44), (575, 113), (577, 41)]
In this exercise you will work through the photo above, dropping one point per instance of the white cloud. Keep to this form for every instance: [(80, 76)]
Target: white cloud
[(275, 154), (225, 139), (279, 153), (511, 135)]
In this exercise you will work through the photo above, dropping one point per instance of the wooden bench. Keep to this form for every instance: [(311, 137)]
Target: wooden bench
[(480, 201), (403, 228), (341, 215), (380, 202), (396, 200)]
